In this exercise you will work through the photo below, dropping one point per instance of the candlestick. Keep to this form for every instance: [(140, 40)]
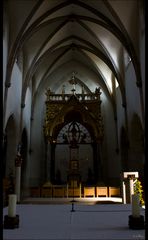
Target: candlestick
[(12, 205), (135, 205)]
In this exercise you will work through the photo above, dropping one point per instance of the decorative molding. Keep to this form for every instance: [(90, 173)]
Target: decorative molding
[(58, 105)]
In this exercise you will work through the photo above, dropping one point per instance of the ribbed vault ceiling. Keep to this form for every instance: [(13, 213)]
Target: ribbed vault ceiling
[(51, 39)]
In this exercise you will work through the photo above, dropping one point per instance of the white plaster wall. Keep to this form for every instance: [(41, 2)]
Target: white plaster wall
[(120, 113), (142, 43), (12, 101), (133, 106), (5, 47), (26, 125), (14, 97), (111, 162), (132, 93), (27, 113), (13, 107), (37, 157), (142, 61)]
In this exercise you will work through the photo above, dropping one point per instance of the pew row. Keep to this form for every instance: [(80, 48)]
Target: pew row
[(55, 191)]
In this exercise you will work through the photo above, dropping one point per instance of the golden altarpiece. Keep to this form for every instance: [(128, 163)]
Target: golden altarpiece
[(77, 112)]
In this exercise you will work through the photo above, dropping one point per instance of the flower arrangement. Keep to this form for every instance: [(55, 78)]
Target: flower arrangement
[(138, 190)]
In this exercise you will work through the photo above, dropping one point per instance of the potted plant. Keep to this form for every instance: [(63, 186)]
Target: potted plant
[(138, 190)]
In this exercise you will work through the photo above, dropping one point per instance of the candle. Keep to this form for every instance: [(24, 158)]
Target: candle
[(135, 205), (124, 192), (12, 205)]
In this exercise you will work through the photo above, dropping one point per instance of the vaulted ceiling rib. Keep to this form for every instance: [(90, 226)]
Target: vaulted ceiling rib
[(57, 32)]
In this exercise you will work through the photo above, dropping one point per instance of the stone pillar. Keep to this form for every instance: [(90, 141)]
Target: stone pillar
[(18, 162)]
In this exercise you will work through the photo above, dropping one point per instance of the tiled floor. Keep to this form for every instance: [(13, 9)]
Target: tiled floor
[(88, 221)]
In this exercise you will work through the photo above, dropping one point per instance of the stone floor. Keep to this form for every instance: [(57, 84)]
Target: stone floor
[(46, 220)]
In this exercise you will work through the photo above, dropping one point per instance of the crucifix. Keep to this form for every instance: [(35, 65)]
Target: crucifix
[(73, 82)]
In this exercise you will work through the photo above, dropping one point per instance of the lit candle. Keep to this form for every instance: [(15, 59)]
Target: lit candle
[(12, 205), (135, 205)]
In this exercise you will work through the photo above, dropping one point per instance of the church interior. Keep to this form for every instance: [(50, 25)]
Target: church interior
[(73, 97)]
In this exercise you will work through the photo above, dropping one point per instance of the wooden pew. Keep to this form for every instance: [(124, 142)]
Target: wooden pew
[(35, 191), (74, 192), (46, 189), (59, 191), (114, 192), (46, 192), (101, 192), (89, 191)]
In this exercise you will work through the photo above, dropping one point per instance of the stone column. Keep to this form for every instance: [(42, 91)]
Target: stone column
[(18, 162)]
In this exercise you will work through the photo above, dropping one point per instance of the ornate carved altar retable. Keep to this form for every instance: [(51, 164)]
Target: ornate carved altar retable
[(65, 108)]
